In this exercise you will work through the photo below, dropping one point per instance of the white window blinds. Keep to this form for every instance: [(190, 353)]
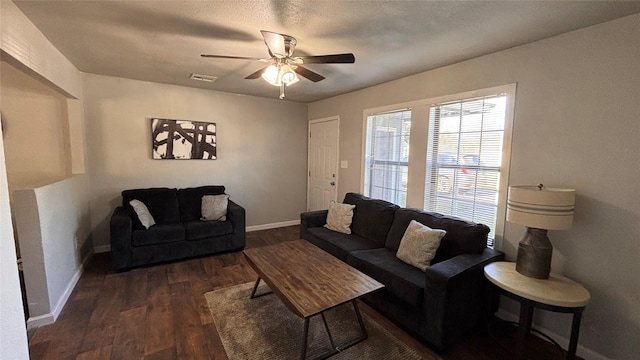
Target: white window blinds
[(464, 158), (387, 156)]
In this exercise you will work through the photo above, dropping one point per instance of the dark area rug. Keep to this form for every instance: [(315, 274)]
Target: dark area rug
[(263, 328)]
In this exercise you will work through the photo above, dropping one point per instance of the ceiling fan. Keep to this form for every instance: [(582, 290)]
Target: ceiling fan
[(284, 68)]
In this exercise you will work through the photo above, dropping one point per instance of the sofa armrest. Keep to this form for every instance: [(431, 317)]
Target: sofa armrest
[(458, 297), (312, 219), (237, 215), (121, 228)]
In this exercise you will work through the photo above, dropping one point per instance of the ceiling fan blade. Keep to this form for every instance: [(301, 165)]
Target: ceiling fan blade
[(257, 74), (304, 72), (231, 57), (279, 45), (328, 59)]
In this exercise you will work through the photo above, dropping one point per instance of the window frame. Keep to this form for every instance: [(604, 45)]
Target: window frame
[(417, 161), (368, 159)]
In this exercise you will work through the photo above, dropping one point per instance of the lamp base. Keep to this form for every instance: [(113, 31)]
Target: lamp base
[(534, 254)]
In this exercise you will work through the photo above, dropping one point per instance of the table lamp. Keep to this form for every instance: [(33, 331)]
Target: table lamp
[(539, 209)]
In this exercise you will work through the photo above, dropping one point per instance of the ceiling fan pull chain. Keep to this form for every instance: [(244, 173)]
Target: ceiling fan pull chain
[(282, 85)]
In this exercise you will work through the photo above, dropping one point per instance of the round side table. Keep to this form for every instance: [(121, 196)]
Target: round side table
[(556, 293)]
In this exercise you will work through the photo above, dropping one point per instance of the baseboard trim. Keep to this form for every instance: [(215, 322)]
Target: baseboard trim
[(273, 225), (582, 351), (102, 249), (37, 321), (50, 318)]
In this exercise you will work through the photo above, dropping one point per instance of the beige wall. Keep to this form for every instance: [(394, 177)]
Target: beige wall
[(57, 85), (24, 42), (262, 148), (13, 333), (35, 128), (54, 229), (576, 124), (50, 207)]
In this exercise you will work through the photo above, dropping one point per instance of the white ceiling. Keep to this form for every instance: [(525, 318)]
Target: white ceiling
[(161, 41)]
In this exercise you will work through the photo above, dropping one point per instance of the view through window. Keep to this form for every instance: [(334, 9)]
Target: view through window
[(460, 154), (464, 158), (387, 156)]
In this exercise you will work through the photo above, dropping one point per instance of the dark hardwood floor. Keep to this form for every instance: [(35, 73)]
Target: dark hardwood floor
[(159, 312)]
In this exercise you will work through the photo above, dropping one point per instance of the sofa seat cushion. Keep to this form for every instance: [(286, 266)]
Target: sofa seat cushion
[(158, 234), (339, 244), (196, 230), (399, 278)]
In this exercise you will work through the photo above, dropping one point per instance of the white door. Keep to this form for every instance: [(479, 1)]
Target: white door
[(323, 161)]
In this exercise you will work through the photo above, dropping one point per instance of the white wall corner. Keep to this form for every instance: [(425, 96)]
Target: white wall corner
[(50, 318)]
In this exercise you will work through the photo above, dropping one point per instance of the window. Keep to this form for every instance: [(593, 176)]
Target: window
[(387, 156), (460, 148), (464, 158)]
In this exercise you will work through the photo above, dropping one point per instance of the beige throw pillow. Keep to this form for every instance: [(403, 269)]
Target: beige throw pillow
[(214, 207), (143, 213), (339, 217), (419, 244)]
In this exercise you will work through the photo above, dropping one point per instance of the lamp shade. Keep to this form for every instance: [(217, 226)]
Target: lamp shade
[(540, 207)]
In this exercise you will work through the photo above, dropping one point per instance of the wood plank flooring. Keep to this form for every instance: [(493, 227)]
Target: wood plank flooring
[(159, 312)]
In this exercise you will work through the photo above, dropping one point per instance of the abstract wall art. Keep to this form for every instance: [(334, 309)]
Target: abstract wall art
[(183, 139)]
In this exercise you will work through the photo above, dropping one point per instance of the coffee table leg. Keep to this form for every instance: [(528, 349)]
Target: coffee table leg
[(255, 287), (362, 328), (364, 335), (303, 355), (326, 326)]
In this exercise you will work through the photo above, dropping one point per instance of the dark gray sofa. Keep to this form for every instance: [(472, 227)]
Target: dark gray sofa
[(440, 305), (179, 233)]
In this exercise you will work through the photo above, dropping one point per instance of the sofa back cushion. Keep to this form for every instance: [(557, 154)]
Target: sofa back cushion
[(190, 200), (161, 202), (372, 218), (462, 236)]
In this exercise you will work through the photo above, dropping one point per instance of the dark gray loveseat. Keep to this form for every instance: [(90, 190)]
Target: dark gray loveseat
[(440, 305), (178, 233)]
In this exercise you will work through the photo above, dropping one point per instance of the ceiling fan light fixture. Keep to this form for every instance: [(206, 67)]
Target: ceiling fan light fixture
[(283, 67), (271, 75), (287, 75), (278, 74)]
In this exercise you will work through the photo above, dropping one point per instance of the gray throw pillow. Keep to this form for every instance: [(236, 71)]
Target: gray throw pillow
[(214, 207), (419, 244), (143, 213), (339, 217)]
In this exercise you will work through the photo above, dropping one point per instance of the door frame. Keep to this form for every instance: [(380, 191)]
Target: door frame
[(335, 118)]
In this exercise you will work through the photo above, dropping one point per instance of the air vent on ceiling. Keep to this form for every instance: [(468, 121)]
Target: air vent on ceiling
[(201, 77)]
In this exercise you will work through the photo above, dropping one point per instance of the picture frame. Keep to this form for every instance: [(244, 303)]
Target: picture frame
[(183, 140)]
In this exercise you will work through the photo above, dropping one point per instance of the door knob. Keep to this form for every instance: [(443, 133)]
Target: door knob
[(333, 183)]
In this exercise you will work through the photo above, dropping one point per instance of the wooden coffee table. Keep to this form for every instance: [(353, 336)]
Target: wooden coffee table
[(309, 282)]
